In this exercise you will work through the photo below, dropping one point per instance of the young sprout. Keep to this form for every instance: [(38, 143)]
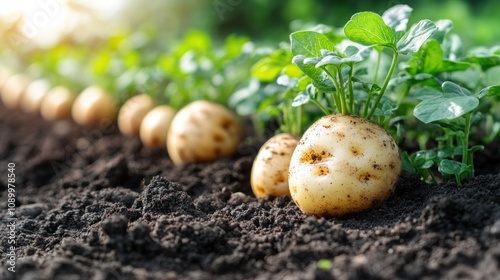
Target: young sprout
[(13, 89), (269, 175), (203, 131), (92, 106), (57, 103), (154, 126), (32, 97), (132, 113)]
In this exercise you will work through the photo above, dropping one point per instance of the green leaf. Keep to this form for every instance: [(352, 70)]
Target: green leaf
[(386, 110), (443, 27), (453, 167), (302, 98), (397, 17), (412, 40), (268, 68), (317, 75), (352, 53), (309, 43), (427, 93), (452, 47), (407, 163), (451, 87), (447, 106), (368, 28), (286, 81), (426, 60), (485, 62), (429, 59), (489, 91), (303, 83), (452, 66), (233, 45)]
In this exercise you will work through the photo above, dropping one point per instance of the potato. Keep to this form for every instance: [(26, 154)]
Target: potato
[(269, 175), (13, 89), (202, 132), (154, 126), (4, 75), (32, 97), (132, 112), (93, 106), (343, 164), (56, 104)]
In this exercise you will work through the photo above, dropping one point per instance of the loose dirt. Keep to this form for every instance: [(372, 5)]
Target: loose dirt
[(93, 204)]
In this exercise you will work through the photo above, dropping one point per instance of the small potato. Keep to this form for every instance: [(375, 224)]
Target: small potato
[(202, 132), (269, 175), (4, 75), (56, 104), (32, 97), (92, 106), (132, 112), (13, 89), (154, 126), (343, 164)]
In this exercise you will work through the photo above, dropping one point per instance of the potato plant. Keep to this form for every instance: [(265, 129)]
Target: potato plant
[(338, 167)]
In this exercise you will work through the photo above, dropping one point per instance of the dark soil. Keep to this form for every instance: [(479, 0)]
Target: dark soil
[(93, 204)]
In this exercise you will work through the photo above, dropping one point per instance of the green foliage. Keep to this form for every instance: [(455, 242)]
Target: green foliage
[(434, 83)]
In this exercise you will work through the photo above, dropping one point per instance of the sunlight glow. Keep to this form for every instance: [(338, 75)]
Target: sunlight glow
[(46, 22)]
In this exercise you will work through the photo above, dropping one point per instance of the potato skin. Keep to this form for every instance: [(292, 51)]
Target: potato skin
[(269, 175), (56, 104), (33, 96), (132, 112), (13, 89), (154, 126), (92, 106), (203, 131), (343, 165)]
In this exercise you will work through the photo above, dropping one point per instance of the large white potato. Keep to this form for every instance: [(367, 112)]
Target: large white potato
[(92, 106), (269, 175), (203, 131), (132, 112), (154, 126), (343, 164)]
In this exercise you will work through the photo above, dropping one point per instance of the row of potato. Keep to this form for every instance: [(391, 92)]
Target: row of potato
[(202, 131), (329, 172)]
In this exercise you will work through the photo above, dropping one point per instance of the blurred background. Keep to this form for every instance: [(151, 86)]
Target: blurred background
[(130, 46), (25, 24)]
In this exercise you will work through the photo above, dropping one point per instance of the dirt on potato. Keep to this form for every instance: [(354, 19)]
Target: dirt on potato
[(93, 204)]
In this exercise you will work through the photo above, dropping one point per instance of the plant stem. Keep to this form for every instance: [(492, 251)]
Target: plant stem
[(298, 121), (342, 92), (386, 83), (377, 67), (368, 100), (335, 98), (323, 108), (465, 141), (351, 88)]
